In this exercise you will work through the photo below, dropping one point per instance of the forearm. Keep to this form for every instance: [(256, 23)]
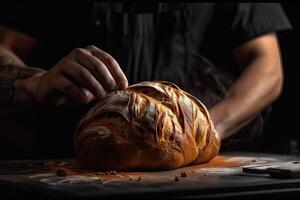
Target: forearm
[(258, 86), (13, 72)]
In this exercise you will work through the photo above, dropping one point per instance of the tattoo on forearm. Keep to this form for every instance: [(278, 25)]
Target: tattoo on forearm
[(9, 73), (8, 76)]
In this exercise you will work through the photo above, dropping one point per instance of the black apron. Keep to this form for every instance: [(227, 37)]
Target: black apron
[(153, 42)]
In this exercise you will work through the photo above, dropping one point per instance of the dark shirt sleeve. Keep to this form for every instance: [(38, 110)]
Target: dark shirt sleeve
[(251, 20)]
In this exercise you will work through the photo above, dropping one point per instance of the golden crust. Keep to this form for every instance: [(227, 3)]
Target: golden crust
[(150, 125)]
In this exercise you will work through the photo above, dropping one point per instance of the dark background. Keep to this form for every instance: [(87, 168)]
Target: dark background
[(281, 130)]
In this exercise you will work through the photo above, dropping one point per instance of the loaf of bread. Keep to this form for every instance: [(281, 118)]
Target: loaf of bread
[(152, 125)]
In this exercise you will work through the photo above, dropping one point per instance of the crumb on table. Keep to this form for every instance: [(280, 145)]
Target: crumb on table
[(113, 172), (61, 164), (176, 179), (50, 164), (183, 174), (61, 172)]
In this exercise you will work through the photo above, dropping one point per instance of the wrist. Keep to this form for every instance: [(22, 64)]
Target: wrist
[(219, 127), (220, 118), (25, 89)]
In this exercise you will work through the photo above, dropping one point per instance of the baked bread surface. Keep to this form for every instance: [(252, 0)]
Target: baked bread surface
[(152, 125)]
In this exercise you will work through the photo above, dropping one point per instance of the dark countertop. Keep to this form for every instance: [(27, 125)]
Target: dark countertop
[(220, 178)]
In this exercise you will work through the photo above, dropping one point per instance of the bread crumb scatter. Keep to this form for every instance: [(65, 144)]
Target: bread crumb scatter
[(50, 164), (61, 172), (61, 164), (113, 172), (139, 178), (176, 179), (183, 174)]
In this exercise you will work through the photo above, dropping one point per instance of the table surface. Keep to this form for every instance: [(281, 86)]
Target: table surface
[(221, 177)]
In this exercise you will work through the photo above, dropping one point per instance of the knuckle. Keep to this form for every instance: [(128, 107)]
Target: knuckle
[(109, 59), (78, 51), (83, 98), (111, 85), (63, 62), (82, 74), (92, 47), (94, 66), (68, 87), (102, 94)]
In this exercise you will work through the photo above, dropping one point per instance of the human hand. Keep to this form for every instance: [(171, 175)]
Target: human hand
[(82, 76)]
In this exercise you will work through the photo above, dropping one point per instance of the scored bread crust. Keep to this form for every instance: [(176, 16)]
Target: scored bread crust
[(150, 125)]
